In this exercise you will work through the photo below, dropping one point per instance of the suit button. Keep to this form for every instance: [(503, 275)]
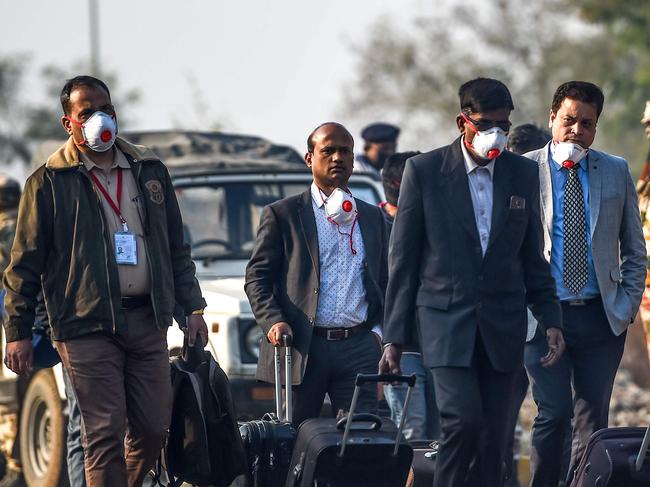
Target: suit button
[(315, 290), (311, 320)]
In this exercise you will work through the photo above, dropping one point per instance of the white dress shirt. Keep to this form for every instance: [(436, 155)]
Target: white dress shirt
[(481, 189), (342, 297)]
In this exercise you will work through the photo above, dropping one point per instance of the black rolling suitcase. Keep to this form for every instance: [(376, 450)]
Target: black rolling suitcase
[(269, 441), (615, 457), (424, 461), (359, 450)]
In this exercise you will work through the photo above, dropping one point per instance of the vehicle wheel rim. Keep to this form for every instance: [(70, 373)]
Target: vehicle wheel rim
[(40, 446)]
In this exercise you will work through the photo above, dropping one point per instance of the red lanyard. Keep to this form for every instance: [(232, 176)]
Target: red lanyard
[(115, 207)]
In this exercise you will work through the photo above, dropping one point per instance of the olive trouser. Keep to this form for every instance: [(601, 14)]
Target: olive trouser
[(123, 389)]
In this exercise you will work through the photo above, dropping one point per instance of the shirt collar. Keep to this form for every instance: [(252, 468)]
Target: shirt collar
[(316, 195), (558, 166), (119, 160), (470, 164)]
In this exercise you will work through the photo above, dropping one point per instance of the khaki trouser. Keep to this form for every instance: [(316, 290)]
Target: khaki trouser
[(123, 388)]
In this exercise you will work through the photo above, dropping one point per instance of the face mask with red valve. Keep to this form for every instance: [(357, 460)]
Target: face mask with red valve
[(340, 207), (568, 154), (341, 210), (99, 131), (488, 144)]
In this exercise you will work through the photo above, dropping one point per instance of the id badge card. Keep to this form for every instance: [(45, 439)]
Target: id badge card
[(126, 249)]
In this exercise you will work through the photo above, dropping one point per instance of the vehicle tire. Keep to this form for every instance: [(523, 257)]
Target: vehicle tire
[(42, 433)]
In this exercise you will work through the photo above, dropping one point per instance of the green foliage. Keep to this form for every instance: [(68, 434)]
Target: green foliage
[(411, 75)]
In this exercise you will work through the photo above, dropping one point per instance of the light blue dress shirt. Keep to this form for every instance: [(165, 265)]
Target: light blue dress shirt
[(481, 189), (342, 297), (559, 178)]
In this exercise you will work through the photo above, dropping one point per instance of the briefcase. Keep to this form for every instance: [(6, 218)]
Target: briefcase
[(615, 457)]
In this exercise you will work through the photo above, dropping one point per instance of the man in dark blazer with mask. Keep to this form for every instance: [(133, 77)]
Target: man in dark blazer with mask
[(468, 262), (318, 272)]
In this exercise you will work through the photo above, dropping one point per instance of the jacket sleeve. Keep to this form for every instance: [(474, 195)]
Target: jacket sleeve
[(632, 246), (540, 285), (22, 278), (262, 271), (187, 290), (404, 259)]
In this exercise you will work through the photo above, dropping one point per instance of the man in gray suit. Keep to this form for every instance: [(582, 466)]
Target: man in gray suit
[(594, 242), (318, 272)]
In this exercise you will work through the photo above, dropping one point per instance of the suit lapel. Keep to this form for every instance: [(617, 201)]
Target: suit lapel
[(309, 231), (456, 188), (501, 193), (371, 237), (595, 179), (546, 190)]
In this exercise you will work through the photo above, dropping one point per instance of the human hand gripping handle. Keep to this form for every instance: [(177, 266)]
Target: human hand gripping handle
[(556, 346), (274, 336), (389, 362), (196, 326), (19, 356)]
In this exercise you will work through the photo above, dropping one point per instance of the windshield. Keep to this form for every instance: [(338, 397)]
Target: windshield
[(220, 219)]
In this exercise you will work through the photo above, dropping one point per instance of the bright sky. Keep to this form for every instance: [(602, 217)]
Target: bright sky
[(274, 69)]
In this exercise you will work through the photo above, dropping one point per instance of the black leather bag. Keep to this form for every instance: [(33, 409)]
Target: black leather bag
[(615, 457), (204, 446)]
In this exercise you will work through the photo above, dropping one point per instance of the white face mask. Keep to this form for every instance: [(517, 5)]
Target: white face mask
[(340, 207), (568, 151), (99, 131), (489, 144)]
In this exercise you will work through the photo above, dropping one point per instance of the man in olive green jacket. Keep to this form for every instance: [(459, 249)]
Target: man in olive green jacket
[(99, 228)]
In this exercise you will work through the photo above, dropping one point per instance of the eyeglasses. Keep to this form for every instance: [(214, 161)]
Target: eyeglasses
[(484, 124)]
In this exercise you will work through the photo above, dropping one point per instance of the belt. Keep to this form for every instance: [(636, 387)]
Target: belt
[(338, 333), (580, 302), (132, 302)]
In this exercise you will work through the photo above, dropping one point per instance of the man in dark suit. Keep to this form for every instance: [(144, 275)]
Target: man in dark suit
[(469, 260), (318, 272)]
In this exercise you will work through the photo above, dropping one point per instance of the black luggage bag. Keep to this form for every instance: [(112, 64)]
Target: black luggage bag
[(269, 441), (358, 450), (424, 461), (615, 457)]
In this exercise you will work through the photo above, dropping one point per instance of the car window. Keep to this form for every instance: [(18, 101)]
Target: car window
[(220, 220)]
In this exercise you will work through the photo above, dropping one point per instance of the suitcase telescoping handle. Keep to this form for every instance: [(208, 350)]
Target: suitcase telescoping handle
[(643, 451), (286, 343), (365, 378)]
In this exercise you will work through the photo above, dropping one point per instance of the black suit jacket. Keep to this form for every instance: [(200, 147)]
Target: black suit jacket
[(283, 279), (436, 264)]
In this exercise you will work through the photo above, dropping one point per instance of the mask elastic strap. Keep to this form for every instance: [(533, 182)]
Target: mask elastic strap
[(349, 235), (78, 124)]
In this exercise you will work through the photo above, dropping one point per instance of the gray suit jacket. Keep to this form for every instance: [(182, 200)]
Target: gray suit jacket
[(617, 243), (283, 274)]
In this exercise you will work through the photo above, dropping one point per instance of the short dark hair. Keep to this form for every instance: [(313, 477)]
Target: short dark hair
[(527, 137), (391, 174), (580, 91), (483, 95), (74, 83), (310, 137)]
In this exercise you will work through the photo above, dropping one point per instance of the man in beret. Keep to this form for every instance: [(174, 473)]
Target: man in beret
[(380, 141)]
